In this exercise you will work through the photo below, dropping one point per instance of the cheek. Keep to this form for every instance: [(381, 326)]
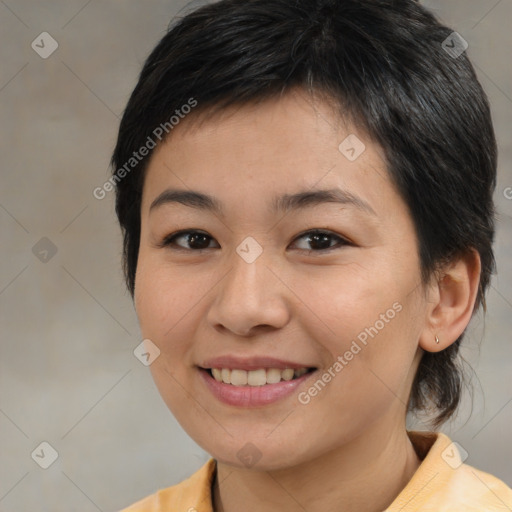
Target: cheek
[(164, 303), (162, 295), (346, 300), (370, 319)]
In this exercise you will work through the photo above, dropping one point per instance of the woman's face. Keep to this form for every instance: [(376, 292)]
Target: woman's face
[(252, 288)]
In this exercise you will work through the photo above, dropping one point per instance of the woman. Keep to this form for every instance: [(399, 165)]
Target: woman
[(305, 192)]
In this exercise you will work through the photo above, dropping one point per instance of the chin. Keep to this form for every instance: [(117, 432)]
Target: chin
[(255, 453)]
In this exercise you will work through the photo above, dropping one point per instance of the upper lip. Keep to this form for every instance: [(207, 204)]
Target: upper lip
[(250, 363)]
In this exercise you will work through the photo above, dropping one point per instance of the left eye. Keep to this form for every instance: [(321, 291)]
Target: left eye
[(322, 240), (199, 241), (196, 238)]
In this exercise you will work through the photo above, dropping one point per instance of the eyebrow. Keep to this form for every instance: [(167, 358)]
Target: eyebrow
[(283, 203)]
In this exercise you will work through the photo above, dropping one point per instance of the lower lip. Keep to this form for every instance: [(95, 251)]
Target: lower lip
[(251, 396)]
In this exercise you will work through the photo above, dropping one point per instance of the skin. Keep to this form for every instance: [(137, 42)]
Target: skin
[(348, 447)]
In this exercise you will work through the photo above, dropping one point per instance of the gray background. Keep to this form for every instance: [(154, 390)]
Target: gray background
[(68, 327)]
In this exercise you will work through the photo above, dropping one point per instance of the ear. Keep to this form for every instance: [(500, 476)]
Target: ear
[(451, 301)]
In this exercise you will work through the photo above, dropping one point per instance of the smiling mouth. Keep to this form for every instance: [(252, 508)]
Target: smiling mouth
[(256, 378)]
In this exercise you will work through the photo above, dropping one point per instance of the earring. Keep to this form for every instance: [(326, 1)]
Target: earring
[(437, 340)]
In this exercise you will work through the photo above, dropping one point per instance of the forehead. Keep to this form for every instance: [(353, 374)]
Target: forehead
[(274, 148)]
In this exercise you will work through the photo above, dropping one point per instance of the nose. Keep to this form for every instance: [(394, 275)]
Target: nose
[(250, 298)]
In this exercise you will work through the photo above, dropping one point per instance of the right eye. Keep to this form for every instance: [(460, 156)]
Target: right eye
[(197, 240)]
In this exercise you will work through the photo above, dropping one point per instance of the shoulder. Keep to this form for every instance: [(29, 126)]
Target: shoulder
[(190, 495), (443, 483), (471, 490)]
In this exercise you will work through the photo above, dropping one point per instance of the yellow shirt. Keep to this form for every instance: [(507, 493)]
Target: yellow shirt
[(442, 483)]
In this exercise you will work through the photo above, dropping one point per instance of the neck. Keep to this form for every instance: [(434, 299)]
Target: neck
[(366, 474)]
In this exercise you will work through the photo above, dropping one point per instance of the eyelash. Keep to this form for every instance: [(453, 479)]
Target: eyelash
[(169, 241)]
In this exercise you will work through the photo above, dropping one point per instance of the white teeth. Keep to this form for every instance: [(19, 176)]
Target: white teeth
[(288, 374), (258, 377), (300, 372), (238, 377), (273, 375), (226, 375)]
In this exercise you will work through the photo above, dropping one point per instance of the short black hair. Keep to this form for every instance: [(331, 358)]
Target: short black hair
[(390, 67)]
